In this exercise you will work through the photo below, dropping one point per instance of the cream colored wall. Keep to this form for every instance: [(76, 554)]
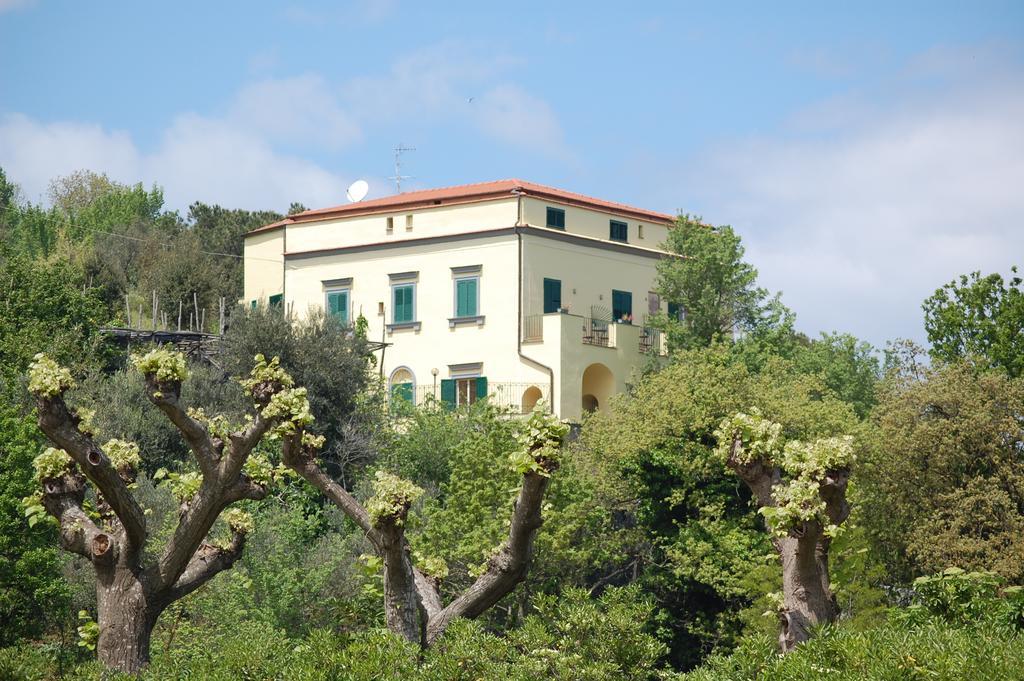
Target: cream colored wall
[(370, 229), (594, 223), (435, 344), (588, 276), (264, 260)]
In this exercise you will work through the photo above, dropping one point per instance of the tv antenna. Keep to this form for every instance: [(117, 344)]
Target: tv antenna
[(398, 176)]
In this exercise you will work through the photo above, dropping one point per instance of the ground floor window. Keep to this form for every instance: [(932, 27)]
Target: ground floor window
[(461, 392)]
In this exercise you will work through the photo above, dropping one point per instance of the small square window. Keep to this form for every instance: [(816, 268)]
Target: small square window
[(556, 218), (618, 231)]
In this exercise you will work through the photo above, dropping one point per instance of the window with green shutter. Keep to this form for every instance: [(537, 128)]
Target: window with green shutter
[(556, 218), (276, 300), (622, 306), (403, 303), (448, 392), (618, 231), (402, 391), (466, 297), (552, 295), (675, 311), (337, 305)]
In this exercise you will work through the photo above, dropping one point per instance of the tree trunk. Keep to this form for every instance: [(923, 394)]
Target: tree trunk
[(807, 598), (126, 618), (401, 602)]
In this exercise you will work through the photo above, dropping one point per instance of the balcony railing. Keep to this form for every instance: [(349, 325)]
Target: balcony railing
[(595, 332), (533, 328), (650, 340), (517, 397)]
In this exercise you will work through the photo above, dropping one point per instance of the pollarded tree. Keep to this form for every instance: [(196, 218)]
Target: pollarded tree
[(131, 589), (800, 488), (412, 600)]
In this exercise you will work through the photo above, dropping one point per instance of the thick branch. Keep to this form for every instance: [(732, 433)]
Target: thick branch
[(833, 493), (507, 567), (302, 462), (62, 498), (207, 562), (401, 599), (60, 427), (759, 476), (242, 444), (166, 396)]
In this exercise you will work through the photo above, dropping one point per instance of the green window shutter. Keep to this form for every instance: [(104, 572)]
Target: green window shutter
[(337, 305), (481, 387), (552, 295), (403, 304), (402, 391), (622, 305), (276, 300), (555, 218), (448, 391), (252, 305), (465, 298), (618, 231)]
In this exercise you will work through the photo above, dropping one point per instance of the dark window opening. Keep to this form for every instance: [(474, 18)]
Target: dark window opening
[(556, 218)]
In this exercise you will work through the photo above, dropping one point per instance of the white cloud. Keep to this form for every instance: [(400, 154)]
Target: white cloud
[(301, 110), (509, 113), (248, 152), (858, 212)]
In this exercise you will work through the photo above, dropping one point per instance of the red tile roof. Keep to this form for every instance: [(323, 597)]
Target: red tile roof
[(466, 193)]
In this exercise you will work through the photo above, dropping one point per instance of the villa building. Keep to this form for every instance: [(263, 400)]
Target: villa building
[(508, 289)]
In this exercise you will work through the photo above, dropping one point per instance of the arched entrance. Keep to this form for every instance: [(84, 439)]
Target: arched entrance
[(598, 386), (402, 385), (530, 398)]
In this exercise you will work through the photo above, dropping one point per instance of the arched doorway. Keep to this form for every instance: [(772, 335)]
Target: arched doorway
[(598, 386), (531, 396), (402, 385)]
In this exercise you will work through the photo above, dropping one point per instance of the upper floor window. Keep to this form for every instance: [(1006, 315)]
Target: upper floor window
[(408, 223), (403, 308), (276, 300), (390, 224), (556, 218), (337, 305), (619, 231), (467, 297)]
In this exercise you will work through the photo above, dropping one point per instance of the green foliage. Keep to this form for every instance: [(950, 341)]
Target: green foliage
[(714, 288), (978, 316), (52, 463), (291, 406), (942, 469), (264, 372), (329, 362), (33, 593), (88, 631), (166, 365), (183, 486), (123, 455), (238, 520), (46, 378), (652, 463), (392, 497), (540, 443)]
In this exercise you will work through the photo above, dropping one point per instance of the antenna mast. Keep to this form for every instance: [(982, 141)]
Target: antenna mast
[(398, 176)]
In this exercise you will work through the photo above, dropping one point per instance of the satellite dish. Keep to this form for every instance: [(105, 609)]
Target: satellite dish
[(357, 191)]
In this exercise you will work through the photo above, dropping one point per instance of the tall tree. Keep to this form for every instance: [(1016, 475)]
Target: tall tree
[(712, 292), (800, 489), (981, 316), (132, 588), (412, 601)]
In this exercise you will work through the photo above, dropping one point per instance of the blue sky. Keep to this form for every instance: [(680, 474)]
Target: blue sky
[(867, 152)]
